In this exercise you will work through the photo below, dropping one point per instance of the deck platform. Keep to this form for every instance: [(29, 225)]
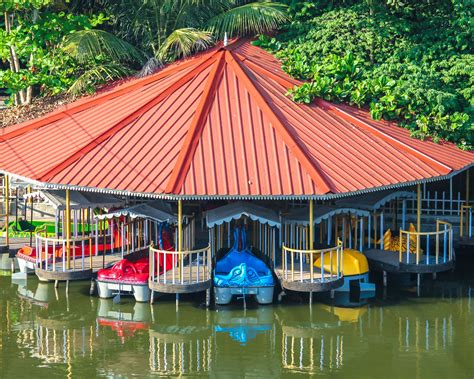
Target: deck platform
[(385, 260), (14, 245), (302, 280), (76, 273), (188, 284)]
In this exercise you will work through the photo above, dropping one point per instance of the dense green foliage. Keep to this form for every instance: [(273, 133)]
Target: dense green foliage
[(405, 60), (50, 51), (168, 29), (50, 46), (414, 64)]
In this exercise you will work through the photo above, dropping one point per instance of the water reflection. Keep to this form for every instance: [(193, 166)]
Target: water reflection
[(244, 325), (125, 321), (43, 328), (181, 345)]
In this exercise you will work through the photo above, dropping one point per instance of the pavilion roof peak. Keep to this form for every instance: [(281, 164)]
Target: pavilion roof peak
[(219, 124)]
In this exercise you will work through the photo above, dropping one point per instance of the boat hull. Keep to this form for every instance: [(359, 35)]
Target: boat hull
[(359, 280), (224, 295), (25, 266), (140, 291)]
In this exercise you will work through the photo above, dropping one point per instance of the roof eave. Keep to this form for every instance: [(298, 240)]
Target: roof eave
[(175, 197)]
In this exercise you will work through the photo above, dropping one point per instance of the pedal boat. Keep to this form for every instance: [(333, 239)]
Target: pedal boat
[(130, 275), (240, 272)]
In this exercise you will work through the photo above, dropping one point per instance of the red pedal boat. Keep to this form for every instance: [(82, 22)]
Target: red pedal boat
[(130, 275)]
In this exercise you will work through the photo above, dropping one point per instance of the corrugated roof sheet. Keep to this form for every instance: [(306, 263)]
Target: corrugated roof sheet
[(220, 124)]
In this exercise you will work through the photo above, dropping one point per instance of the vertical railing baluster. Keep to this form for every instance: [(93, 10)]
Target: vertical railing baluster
[(369, 231), (292, 266), (428, 249), (445, 244), (381, 232), (46, 254), (54, 255), (301, 266), (330, 263), (408, 236), (322, 266), (64, 256), (470, 222)]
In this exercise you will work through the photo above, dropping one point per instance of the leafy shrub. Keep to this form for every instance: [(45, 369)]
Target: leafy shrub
[(413, 65)]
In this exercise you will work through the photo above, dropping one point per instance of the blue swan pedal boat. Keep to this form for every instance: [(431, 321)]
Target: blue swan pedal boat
[(240, 272)]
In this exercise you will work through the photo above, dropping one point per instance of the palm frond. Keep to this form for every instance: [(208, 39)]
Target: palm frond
[(98, 74), (85, 45), (183, 42), (149, 67), (247, 19)]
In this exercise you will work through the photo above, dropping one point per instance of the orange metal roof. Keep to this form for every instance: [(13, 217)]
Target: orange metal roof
[(221, 125)]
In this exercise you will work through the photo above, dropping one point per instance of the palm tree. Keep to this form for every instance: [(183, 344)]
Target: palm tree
[(169, 29)]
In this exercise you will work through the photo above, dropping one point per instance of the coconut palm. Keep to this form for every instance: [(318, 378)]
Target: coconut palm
[(169, 29)]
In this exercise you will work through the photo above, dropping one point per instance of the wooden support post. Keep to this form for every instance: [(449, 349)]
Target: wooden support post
[(30, 201), (467, 187), (311, 225), (208, 297), (68, 230), (311, 239), (418, 208), (180, 237), (7, 210)]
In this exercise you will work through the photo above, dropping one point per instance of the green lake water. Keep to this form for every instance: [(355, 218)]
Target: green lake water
[(46, 334)]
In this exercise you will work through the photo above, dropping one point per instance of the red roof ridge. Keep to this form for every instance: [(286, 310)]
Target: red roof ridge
[(206, 62), (264, 71), (193, 135), (382, 135), (303, 157)]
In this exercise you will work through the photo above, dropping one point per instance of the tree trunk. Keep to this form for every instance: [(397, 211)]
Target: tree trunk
[(29, 91), (20, 97)]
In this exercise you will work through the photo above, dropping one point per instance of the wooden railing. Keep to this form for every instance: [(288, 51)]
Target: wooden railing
[(298, 264), (186, 267), (51, 253), (466, 221), (443, 245), (443, 203)]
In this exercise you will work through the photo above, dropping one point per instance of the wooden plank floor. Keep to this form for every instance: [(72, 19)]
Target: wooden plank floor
[(390, 261), (15, 243)]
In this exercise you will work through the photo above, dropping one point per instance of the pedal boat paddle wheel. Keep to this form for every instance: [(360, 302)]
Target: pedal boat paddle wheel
[(130, 275)]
